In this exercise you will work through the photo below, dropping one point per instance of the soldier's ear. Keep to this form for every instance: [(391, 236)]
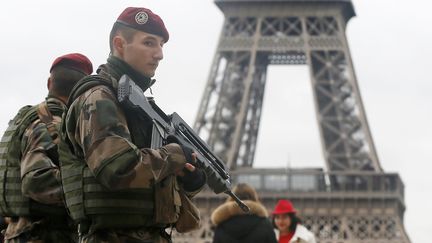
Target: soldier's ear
[(49, 83), (118, 45)]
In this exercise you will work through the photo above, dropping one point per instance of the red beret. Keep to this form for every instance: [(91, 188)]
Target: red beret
[(145, 20), (75, 61)]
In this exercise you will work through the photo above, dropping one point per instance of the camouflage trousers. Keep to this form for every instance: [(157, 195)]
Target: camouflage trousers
[(47, 237), (24, 230), (126, 236)]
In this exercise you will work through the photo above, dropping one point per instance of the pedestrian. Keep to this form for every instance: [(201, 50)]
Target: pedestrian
[(288, 224), (118, 188), (32, 196), (234, 225)]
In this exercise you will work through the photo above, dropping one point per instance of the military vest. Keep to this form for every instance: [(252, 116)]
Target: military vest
[(12, 202), (86, 199)]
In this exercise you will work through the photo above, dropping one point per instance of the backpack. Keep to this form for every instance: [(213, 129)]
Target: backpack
[(12, 202)]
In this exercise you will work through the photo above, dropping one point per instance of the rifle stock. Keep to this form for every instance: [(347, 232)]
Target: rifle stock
[(172, 127)]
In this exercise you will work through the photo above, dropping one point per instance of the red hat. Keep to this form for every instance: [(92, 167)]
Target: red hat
[(75, 61), (284, 206), (145, 20)]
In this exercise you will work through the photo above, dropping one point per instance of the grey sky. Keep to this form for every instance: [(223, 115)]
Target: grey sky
[(390, 46)]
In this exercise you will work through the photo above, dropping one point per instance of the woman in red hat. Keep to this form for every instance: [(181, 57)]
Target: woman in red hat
[(289, 225)]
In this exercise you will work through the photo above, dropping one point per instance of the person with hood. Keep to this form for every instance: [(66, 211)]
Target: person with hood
[(234, 225), (289, 225)]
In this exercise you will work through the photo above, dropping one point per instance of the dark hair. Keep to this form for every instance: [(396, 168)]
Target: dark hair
[(63, 80), (295, 220), (123, 30)]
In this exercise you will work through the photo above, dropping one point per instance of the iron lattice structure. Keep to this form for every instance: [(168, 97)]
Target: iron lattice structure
[(354, 201), (257, 34)]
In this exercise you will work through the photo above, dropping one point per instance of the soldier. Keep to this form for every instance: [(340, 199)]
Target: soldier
[(117, 188), (32, 191)]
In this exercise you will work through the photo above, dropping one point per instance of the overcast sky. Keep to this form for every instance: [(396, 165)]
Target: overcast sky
[(390, 42)]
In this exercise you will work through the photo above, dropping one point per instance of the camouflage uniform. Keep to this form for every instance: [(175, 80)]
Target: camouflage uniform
[(41, 182), (114, 145)]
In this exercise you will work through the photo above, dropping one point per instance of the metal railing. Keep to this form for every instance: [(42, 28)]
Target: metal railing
[(316, 182)]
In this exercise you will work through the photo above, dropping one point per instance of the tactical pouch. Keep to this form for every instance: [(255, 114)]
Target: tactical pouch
[(189, 218), (167, 201)]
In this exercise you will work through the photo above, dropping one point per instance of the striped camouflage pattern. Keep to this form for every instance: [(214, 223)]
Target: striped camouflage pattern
[(112, 179), (12, 203)]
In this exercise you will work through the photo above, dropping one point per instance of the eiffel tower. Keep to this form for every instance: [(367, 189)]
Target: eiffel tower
[(353, 200)]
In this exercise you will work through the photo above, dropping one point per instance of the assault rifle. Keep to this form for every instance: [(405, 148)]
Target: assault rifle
[(168, 128)]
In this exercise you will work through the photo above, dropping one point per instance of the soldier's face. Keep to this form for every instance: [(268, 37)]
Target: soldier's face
[(144, 52)]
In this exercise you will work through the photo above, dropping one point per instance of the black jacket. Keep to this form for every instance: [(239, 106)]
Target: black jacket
[(233, 226)]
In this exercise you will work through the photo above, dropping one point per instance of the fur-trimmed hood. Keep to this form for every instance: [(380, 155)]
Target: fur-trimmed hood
[(230, 209)]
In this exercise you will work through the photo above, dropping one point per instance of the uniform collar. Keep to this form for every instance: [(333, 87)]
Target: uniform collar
[(54, 100), (118, 68)]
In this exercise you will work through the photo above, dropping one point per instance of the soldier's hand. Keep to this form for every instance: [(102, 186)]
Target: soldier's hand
[(176, 157), (188, 166), (191, 177)]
